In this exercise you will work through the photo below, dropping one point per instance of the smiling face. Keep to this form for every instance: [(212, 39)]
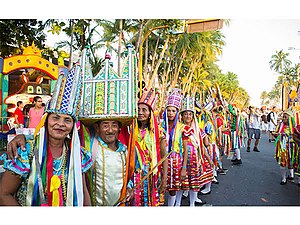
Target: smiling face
[(187, 117), (171, 113), (59, 126), (285, 118), (108, 131), (143, 112)]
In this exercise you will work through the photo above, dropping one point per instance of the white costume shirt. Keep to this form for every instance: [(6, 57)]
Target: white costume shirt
[(109, 172)]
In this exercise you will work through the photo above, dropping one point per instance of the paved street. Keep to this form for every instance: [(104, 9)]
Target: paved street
[(254, 183)]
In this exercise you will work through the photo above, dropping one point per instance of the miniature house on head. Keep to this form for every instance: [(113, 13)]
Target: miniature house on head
[(109, 95)]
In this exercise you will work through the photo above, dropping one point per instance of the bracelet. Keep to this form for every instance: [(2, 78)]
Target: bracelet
[(183, 167)]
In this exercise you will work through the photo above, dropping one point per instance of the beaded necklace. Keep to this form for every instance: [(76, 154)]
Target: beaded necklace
[(62, 167), (63, 186)]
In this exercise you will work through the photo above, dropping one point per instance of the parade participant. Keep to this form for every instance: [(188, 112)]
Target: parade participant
[(253, 128), (109, 107), (49, 171), (107, 175), (286, 149), (193, 151), (19, 117), (223, 137), (211, 148), (236, 127), (173, 129), (150, 147), (272, 123), (36, 112), (296, 138)]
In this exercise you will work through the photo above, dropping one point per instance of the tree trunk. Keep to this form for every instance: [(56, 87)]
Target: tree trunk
[(159, 61)]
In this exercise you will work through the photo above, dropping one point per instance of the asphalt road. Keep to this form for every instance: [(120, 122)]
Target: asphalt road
[(253, 183)]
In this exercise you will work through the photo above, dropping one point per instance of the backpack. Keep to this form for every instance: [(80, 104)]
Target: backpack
[(269, 117)]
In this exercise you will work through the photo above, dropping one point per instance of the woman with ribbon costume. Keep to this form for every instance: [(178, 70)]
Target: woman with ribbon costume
[(286, 148), (207, 163), (173, 130), (214, 152), (193, 150), (224, 140), (150, 147), (49, 171)]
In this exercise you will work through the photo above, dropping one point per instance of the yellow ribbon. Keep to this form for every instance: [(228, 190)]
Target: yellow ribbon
[(54, 185), (41, 124)]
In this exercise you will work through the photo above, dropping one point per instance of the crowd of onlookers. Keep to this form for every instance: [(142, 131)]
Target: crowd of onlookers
[(29, 115)]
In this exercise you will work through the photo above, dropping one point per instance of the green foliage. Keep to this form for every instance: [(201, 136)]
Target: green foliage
[(280, 64), (18, 33)]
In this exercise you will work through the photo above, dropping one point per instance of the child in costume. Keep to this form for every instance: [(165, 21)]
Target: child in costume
[(173, 130)]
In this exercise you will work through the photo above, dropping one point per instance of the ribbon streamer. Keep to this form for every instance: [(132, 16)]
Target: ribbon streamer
[(54, 186)]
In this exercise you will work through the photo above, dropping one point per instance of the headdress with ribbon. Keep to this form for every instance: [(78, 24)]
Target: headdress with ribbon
[(175, 98), (149, 97), (65, 100)]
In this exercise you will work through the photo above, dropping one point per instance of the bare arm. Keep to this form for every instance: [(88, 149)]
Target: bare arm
[(220, 129), (9, 185), (163, 153), (206, 144), (12, 147)]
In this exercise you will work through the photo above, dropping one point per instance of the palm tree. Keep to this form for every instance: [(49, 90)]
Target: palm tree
[(281, 64), (279, 61), (263, 97)]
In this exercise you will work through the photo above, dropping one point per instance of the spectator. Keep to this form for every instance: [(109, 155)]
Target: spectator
[(19, 117), (272, 123), (35, 113), (26, 109), (254, 128)]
